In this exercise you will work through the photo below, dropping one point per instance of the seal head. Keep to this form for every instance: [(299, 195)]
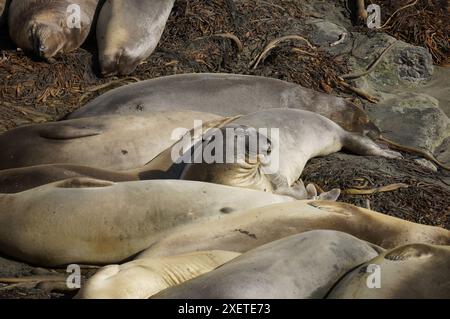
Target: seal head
[(234, 155)]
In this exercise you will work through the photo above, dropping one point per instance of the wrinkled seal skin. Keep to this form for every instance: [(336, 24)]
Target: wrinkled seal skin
[(228, 95), (109, 142), (302, 266), (142, 278), (128, 32), (89, 221), (415, 271), (40, 26), (256, 227), (302, 136), (4, 4)]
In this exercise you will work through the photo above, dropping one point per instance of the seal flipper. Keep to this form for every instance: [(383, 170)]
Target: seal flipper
[(332, 195), (67, 132), (363, 145), (300, 192), (409, 252)]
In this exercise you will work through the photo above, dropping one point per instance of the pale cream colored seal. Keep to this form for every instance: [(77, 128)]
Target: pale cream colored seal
[(90, 221), (142, 278), (247, 230)]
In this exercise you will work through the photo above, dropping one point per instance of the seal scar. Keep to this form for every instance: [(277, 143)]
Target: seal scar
[(246, 233)]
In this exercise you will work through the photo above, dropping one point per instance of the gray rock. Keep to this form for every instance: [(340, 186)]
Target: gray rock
[(412, 119), (10, 268), (414, 64), (332, 11), (404, 64), (324, 33)]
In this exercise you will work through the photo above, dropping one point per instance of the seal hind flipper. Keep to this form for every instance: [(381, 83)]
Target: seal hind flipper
[(68, 132), (363, 145)]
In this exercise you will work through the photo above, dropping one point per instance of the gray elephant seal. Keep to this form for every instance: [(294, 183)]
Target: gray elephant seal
[(300, 266), (110, 142), (47, 28), (247, 230), (227, 95), (4, 5), (128, 32), (415, 271), (300, 135), (90, 221), (143, 278), (17, 180)]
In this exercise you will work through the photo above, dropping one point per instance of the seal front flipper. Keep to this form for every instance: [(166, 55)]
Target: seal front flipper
[(68, 132), (409, 252), (300, 192)]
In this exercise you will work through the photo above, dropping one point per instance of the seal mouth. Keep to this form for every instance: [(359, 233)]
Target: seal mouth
[(121, 63)]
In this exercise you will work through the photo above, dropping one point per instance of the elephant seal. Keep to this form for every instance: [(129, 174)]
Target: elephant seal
[(4, 5), (110, 142), (128, 33), (246, 230), (90, 221), (142, 278), (47, 28), (304, 266), (288, 140), (163, 166), (415, 271), (227, 95)]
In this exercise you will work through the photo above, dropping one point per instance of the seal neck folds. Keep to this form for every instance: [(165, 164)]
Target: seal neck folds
[(234, 155)]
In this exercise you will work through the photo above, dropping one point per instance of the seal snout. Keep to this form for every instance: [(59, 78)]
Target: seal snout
[(122, 62), (47, 40)]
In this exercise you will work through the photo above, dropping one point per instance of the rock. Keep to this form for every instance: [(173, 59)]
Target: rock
[(10, 268), (332, 11), (324, 33), (443, 152), (412, 119), (414, 64), (404, 64)]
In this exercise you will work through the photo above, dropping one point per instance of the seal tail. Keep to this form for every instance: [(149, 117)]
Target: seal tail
[(412, 150)]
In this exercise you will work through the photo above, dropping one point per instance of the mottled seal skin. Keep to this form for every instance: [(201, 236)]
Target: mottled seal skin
[(256, 227), (91, 221), (40, 26), (227, 95), (302, 266), (128, 33), (416, 271), (302, 136), (109, 142), (142, 278), (4, 5)]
